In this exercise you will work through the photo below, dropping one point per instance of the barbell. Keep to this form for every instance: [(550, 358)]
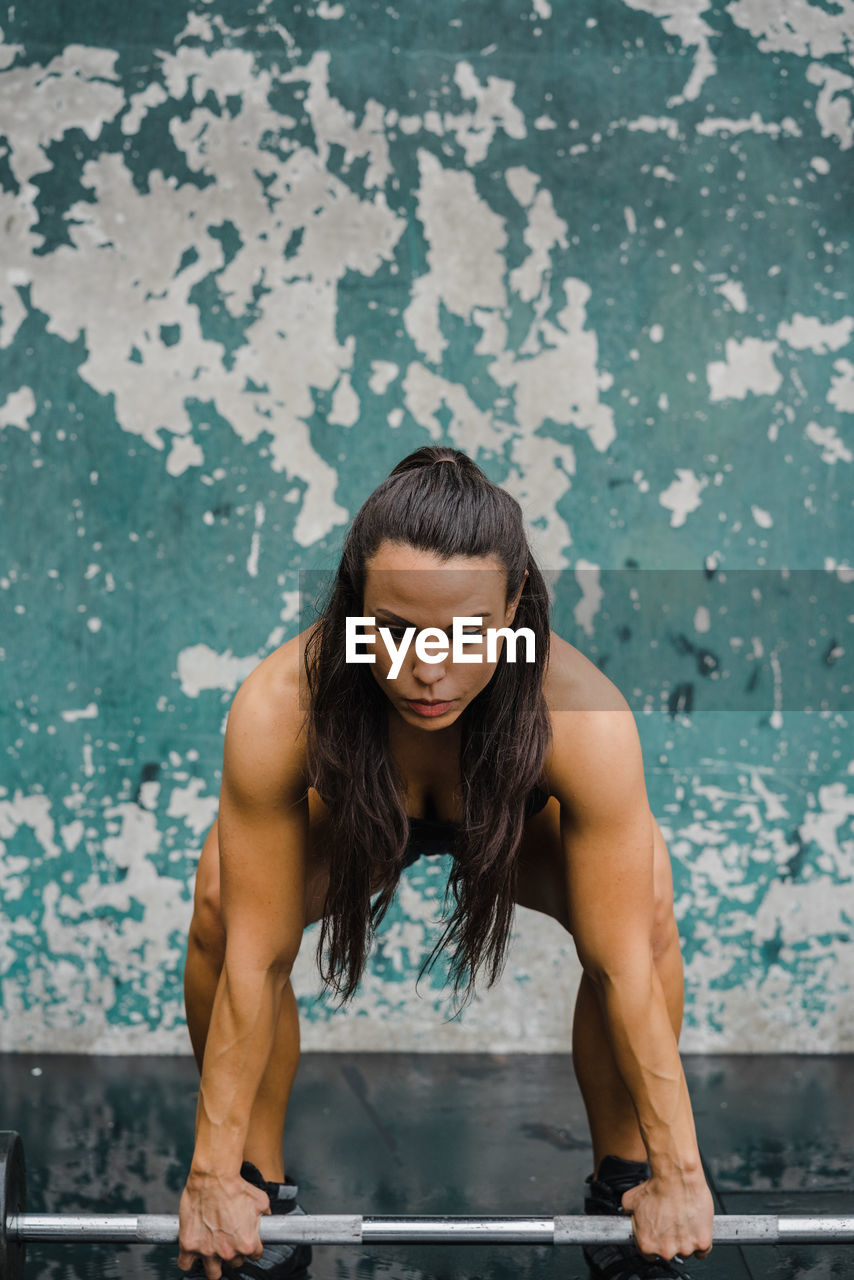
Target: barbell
[(17, 1227)]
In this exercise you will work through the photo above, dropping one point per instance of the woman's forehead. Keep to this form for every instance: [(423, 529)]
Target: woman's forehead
[(413, 586), (399, 557)]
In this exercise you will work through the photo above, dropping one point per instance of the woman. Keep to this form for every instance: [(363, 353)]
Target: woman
[(337, 774)]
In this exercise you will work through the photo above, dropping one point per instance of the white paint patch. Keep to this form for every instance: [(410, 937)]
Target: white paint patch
[(494, 337), (191, 806), (201, 668), (748, 367), (290, 606), (18, 408), (833, 449), (87, 713), (656, 333), (844, 572), (185, 453), (702, 620), (40, 104), (334, 124), (820, 164), (494, 108), (824, 825), (544, 233), (255, 545), (800, 912), (682, 496), (149, 794), (72, 834), (383, 374), (541, 478), (799, 27), (560, 380), (139, 105), (329, 12), (762, 518), (684, 20), (523, 184), (198, 27), (631, 220), (809, 333), (752, 124), (841, 393), (654, 124), (588, 577), (543, 123), (470, 427), (344, 410), (542, 9), (733, 292), (33, 811), (833, 107), (465, 256)]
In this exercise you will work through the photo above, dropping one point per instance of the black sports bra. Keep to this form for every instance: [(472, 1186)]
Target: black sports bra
[(429, 837), (536, 800)]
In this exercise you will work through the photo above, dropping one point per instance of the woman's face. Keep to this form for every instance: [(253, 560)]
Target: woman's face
[(407, 588)]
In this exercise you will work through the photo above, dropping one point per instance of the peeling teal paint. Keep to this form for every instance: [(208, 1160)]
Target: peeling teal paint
[(252, 257)]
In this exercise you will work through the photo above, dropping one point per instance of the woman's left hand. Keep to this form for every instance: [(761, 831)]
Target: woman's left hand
[(671, 1216)]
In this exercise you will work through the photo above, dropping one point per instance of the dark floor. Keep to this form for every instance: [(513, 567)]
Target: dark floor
[(431, 1134)]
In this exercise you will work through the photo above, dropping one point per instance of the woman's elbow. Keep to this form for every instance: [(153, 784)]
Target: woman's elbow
[(626, 968)]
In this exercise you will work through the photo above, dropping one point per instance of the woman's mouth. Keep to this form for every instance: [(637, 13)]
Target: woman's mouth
[(429, 708)]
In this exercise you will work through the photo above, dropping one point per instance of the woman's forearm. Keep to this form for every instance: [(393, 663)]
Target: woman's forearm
[(239, 1043), (647, 1058)]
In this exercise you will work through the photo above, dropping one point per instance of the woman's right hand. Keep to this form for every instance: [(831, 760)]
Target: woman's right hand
[(218, 1221)]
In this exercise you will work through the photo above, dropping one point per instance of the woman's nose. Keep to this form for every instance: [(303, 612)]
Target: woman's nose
[(427, 673)]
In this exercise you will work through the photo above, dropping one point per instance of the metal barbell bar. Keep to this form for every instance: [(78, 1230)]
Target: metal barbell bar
[(357, 1229), (17, 1227)]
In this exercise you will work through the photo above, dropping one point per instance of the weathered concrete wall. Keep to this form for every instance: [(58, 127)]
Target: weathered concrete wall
[(252, 255)]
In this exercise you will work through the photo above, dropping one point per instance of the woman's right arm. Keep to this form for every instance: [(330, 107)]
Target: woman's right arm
[(263, 833)]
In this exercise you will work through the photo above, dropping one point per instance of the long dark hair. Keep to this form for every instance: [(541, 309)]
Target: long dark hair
[(436, 499)]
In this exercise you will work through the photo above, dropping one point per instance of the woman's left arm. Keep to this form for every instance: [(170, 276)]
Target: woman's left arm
[(596, 771)]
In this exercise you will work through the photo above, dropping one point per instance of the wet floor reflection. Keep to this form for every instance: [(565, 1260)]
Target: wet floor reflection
[(428, 1134)]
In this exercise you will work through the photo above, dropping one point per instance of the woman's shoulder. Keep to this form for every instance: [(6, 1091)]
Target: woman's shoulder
[(573, 683), (273, 687), (595, 747), (265, 732)]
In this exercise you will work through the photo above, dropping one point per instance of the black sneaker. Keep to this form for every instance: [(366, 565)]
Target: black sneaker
[(622, 1261), (278, 1261)]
